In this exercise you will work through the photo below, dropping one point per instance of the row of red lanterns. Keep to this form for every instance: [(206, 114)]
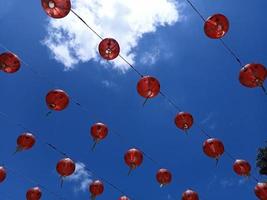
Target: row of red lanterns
[(66, 167), (252, 75), (215, 27), (213, 148)]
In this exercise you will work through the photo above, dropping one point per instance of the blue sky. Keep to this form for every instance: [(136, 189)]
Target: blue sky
[(195, 71)]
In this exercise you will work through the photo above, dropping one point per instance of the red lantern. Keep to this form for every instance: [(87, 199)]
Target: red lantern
[(57, 100), (190, 195), (242, 167), (65, 167), (56, 8), (9, 62), (34, 194), (2, 174), (148, 87), (213, 148), (164, 177), (261, 191), (133, 158), (25, 141), (216, 26), (96, 188), (123, 198), (184, 120), (98, 131), (109, 49), (253, 75)]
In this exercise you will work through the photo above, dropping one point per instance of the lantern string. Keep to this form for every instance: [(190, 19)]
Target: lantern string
[(222, 41), (230, 155), (231, 52), (30, 68), (196, 10), (100, 37), (127, 62), (171, 102), (97, 34)]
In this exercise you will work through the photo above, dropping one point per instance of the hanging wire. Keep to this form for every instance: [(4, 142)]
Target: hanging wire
[(196, 10), (231, 52), (100, 37), (171, 102), (33, 71), (222, 41)]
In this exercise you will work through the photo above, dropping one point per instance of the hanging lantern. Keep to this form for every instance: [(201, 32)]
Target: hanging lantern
[(57, 100), (109, 49), (9, 62), (253, 75), (148, 87), (184, 120), (2, 174), (98, 131), (56, 8), (242, 167), (213, 148), (216, 26), (123, 198), (65, 167), (34, 194), (25, 141), (261, 191), (190, 195), (96, 188), (164, 177), (133, 158)]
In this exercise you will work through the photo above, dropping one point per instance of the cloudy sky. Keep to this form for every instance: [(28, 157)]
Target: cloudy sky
[(161, 38)]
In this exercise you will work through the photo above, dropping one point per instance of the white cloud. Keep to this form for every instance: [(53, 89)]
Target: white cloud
[(71, 42), (150, 57), (108, 84), (209, 121), (81, 178)]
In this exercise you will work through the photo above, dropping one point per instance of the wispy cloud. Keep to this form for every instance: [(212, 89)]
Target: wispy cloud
[(230, 182), (81, 178), (108, 84), (125, 20), (151, 56), (208, 121), (227, 182)]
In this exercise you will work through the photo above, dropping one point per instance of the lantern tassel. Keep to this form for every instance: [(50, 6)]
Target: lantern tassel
[(48, 113), (18, 149), (129, 172), (94, 145), (92, 197), (217, 162), (61, 181), (145, 101), (264, 89)]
